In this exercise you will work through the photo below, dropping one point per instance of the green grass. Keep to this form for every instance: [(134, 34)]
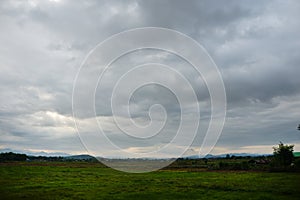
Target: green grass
[(93, 181)]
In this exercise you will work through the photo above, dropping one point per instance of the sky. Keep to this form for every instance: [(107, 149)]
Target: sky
[(254, 44)]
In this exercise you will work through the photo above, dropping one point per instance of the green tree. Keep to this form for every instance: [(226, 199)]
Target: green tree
[(283, 154), (10, 156)]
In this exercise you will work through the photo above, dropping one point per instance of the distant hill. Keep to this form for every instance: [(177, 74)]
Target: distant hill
[(80, 157)]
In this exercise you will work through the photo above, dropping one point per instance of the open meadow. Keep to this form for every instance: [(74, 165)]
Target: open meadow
[(92, 180)]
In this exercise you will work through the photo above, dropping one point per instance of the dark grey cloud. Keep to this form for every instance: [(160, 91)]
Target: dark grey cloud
[(254, 44)]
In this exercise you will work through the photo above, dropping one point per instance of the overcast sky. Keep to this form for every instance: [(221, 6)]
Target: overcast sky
[(255, 44)]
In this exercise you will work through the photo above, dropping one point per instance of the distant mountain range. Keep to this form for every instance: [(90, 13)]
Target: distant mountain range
[(230, 154), (88, 157), (33, 153)]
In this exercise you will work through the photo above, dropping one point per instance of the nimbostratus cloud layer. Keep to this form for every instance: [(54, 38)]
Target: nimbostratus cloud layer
[(255, 46)]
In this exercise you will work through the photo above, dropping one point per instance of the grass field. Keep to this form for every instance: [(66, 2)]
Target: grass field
[(63, 180)]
